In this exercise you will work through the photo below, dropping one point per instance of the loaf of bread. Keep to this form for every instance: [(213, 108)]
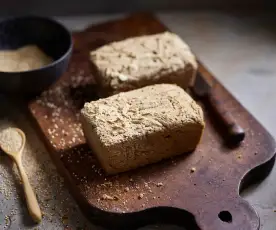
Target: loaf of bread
[(140, 61), (143, 126)]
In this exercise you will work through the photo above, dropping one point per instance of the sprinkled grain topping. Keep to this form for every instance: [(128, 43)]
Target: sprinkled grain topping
[(10, 140)]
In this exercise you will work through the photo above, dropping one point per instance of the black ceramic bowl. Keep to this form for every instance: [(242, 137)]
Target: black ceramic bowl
[(50, 36)]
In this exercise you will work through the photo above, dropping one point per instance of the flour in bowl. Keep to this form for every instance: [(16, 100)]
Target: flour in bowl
[(26, 58)]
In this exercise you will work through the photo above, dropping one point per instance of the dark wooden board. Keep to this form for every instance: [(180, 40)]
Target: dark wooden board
[(204, 199)]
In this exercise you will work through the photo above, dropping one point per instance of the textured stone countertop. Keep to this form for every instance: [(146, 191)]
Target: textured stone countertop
[(239, 49)]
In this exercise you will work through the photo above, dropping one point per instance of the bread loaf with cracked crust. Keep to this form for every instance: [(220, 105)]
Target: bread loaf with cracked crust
[(143, 126), (140, 61)]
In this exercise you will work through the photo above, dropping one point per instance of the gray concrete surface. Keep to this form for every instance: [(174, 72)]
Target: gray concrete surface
[(239, 49)]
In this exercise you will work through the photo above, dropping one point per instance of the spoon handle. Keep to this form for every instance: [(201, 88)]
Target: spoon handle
[(31, 200)]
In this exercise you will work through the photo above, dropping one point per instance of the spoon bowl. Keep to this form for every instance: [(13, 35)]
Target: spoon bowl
[(17, 153)]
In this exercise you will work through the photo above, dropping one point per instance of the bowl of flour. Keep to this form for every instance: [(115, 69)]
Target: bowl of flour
[(34, 53)]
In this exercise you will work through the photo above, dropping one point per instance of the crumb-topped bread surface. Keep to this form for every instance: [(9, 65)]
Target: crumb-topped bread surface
[(140, 61), (143, 126)]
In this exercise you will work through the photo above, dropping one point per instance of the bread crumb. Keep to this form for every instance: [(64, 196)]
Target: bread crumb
[(159, 184), (193, 170), (107, 197), (64, 219), (126, 189), (7, 221), (107, 184), (148, 187), (140, 196), (122, 77)]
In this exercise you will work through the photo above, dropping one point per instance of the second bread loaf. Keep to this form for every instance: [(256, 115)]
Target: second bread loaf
[(140, 61)]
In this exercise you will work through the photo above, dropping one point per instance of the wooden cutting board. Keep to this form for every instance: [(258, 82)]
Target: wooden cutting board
[(169, 191)]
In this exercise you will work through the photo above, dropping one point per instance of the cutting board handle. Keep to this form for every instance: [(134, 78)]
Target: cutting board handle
[(238, 215)]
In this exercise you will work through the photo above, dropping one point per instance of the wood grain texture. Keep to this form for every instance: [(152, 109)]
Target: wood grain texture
[(207, 198)]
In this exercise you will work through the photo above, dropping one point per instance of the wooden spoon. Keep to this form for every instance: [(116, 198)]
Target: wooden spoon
[(16, 154)]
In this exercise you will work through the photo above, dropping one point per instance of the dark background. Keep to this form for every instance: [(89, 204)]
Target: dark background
[(79, 7)]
